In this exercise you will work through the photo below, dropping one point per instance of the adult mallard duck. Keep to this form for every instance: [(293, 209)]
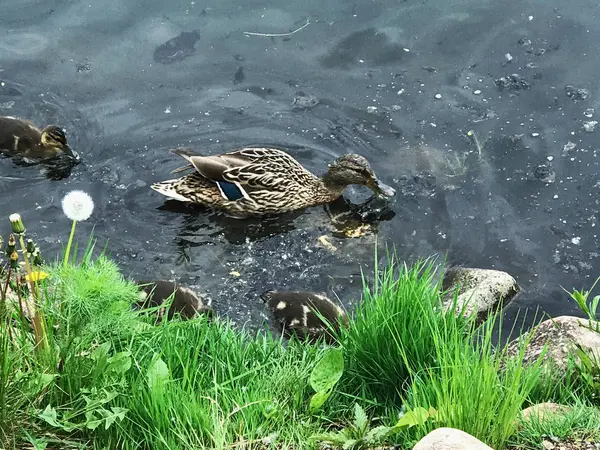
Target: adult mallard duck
[(23, 139), (260, 181)]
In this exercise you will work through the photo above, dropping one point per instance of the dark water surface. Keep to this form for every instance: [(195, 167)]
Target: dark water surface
[(400, 82)]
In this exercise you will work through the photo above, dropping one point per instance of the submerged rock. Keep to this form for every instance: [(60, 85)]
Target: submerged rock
[(479, 290), (177, 48), (450, 439), (543, 411), (564, 336), (545, 173), (304, 101)]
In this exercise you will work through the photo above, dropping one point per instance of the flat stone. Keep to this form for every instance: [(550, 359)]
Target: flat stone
[(564, 335), (543, 411), (450, 439), (480, 291)]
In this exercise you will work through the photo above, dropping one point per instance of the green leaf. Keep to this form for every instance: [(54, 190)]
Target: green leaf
[(361, 421), (119, 412), (101, 352), (50, 417), (328, 371), (349, 444), (158, 374), (37, 443), (376, 434), (91, 422), (417, 416), (120, 363), (318, 399)]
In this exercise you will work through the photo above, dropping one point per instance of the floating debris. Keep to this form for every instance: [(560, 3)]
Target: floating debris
[(513, 82), (85, 67), (576, 94), (235, 273), (590, 126), (324, 241)]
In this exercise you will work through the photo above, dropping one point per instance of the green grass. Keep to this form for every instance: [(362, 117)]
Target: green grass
[(581, 422), (113, 379), (396, 329), (474, 388)]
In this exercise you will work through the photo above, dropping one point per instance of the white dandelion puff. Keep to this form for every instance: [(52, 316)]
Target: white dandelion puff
[(77, 205)]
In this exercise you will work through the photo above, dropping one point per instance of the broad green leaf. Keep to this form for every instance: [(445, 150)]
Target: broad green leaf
[(120, 363), (417, 416), (158, 374), (318, 399), (49, 416), (101, 352), (328, 371)]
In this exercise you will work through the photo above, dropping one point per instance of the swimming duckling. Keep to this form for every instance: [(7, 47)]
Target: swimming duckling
[(22, 138), (185, 301), (299, 312)]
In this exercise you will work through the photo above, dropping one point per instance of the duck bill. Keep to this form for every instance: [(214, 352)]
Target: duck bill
[(381, 188), (71, 154)]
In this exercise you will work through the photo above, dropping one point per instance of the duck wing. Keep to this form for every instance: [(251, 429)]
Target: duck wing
[(239, 173)]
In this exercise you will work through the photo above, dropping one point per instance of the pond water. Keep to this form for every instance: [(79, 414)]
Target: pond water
[(400, 82)]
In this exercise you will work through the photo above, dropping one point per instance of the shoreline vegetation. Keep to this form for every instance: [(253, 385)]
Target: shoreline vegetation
[(81, 368)]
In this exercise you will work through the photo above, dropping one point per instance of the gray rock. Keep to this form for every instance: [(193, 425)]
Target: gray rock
[(543, 411), (450, 439), (563, 335), (479, 290)]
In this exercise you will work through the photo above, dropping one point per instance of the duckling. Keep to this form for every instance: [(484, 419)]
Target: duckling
[(185, 301), (22, 138), (256, 181), (299, 312)]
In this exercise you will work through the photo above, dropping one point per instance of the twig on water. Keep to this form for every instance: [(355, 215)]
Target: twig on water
[(251, 33)]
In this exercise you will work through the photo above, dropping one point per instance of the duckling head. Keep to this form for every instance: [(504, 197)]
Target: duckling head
[(355, 169), (54, 138)]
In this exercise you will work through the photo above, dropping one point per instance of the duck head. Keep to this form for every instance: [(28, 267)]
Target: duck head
[(355, 169)]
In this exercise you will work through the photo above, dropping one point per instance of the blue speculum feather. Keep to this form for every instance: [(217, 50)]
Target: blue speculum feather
[(230, 190)]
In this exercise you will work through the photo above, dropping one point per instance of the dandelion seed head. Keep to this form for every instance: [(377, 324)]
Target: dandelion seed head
[(77, 205), (14, 217)]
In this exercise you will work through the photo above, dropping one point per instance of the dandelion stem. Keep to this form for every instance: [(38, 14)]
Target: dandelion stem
[(68, 251), (39, 328)]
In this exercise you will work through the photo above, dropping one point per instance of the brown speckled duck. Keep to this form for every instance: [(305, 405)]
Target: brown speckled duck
[(263, 181), (22, 138), (299, 312)]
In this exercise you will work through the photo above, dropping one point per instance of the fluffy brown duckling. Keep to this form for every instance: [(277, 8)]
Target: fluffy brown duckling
[(185, 301), (23, 139), (300, 312)]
